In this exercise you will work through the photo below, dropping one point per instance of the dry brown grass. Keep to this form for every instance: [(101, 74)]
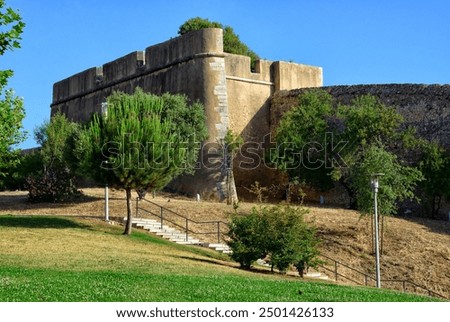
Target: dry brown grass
[(417, 250)]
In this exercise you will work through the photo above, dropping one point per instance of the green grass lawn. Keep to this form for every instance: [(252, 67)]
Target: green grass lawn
[(72, 259)]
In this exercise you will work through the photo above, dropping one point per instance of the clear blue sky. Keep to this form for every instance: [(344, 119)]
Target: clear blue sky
[(356, 42)]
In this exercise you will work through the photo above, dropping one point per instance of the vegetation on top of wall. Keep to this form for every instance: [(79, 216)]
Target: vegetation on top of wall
[(231, 42)]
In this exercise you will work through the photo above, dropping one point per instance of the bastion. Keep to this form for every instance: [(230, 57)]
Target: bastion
[(194, 64)]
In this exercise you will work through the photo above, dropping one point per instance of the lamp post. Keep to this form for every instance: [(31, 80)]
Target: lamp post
[(104, 108), (106, 203), (375, 185)]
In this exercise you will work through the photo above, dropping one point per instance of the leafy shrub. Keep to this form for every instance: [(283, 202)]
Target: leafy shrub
[(280, 233), (52, 185), (245, 239), (56, 179), (27, 165)]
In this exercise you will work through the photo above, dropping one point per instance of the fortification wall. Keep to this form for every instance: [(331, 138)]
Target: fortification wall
[(249, 92), (194, 64)]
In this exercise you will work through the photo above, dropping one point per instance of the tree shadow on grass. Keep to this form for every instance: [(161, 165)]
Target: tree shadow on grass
[(38, 222), (208, 261)]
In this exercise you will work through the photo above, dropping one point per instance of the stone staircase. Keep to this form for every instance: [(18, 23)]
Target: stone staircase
[(174, 235)]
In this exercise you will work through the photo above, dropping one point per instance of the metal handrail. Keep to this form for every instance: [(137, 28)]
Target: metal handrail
[(405, 283), (187, 220)]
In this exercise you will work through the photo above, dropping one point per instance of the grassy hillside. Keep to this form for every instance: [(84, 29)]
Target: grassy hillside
[(46, 258), (414, 249)]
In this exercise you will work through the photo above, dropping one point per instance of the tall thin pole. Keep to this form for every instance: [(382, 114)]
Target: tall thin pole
[(106, 203), (377, 245)]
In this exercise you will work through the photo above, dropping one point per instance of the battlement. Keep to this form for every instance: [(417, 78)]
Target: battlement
[(197, 44), (282, 75), (193, 45)]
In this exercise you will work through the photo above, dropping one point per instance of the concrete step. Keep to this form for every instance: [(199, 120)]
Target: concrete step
[(159, 230), (151, 225), (214, 245), (174, 235), (176, 240), (223, 248), (317, 275), (142, 220), (262, 262), (170, 234), (185, 243)]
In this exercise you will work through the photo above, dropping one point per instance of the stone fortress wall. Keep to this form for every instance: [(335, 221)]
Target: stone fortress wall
[(249, 103), (194, 64)]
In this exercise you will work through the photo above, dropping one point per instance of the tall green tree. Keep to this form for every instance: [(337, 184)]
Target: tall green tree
[(11, 107), (231, 41), (57, 139), (142, 142), (396, 184), (304, 136)]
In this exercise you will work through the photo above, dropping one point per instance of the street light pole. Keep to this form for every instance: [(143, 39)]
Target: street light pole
[(375, 186), (106, 203), (104, 108)]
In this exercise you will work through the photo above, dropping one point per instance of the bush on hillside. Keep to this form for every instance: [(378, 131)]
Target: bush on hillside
[(55, 181), (52, 185), (246, 240), (278, 233), (16, 177)]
